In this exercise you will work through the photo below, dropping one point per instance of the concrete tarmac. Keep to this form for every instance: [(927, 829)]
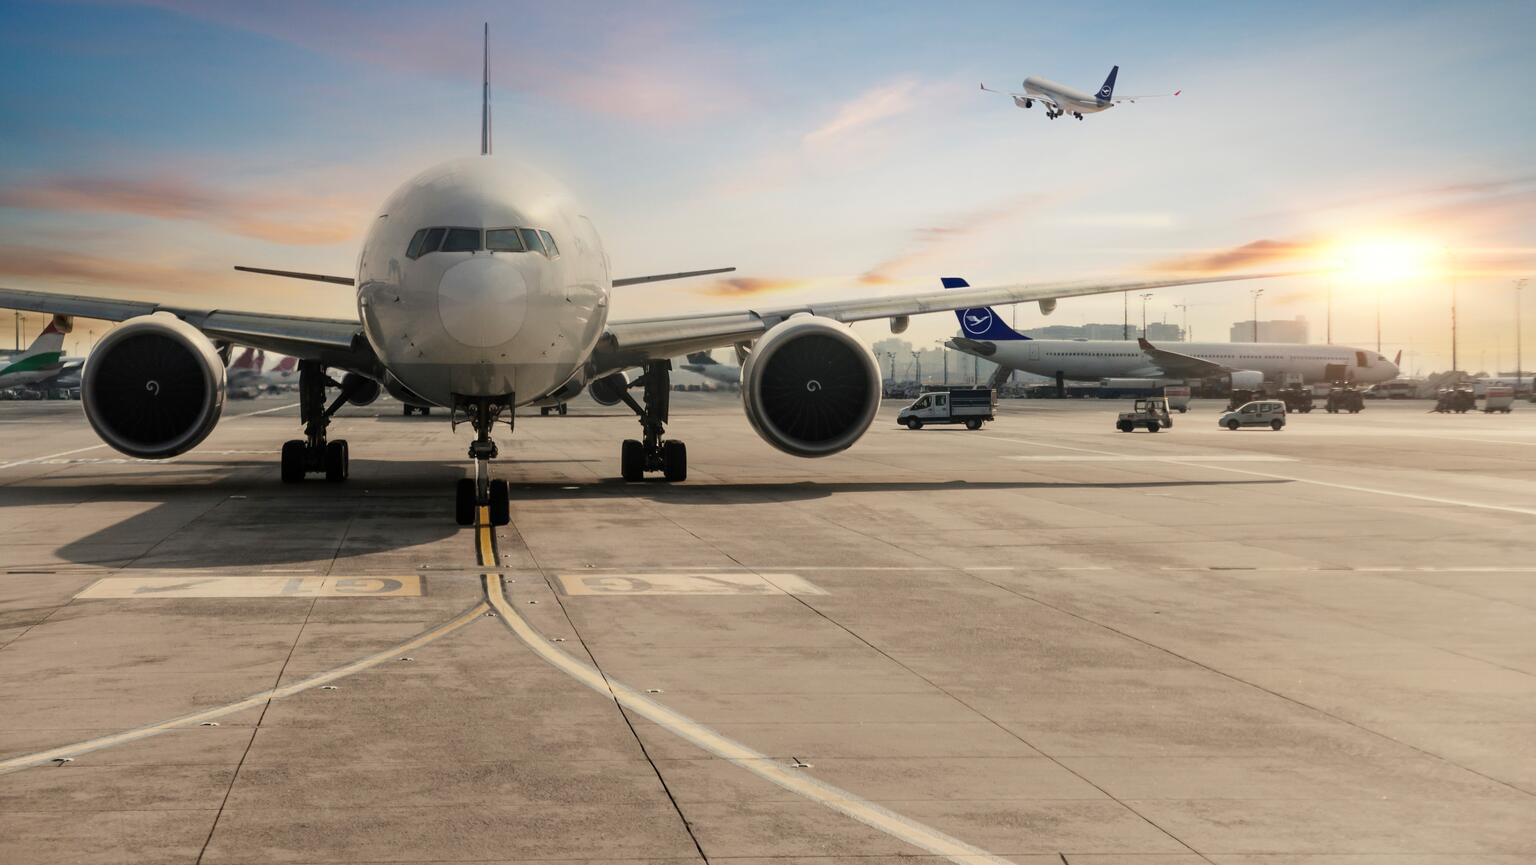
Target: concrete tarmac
[(1043, 642)]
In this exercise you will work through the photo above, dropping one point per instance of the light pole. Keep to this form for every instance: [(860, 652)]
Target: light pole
[(917, 362), (1125, 305), (1255, 292), (1519, 285), (1454, 364), (1183, 309), (1329, 337), (891, 355), (945, 351), (1144, 313)]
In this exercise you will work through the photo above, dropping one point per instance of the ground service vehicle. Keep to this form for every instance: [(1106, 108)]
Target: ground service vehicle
[(1178, 397), (1460, 399), (1344, 398), (1149, 414), (1499, 398), (1265, 412), (971, 406), (1297, 398)]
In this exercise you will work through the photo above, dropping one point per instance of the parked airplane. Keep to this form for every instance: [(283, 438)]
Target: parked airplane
[(1246, 364), (43, 360), (702, 363), (1060, 99), (483, 286)]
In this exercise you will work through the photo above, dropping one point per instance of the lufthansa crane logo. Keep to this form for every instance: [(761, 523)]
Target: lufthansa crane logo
[(977, 321)]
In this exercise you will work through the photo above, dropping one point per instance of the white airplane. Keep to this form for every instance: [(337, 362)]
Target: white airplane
[(43, 360), (1247, 364), (483, 286), (1060, 99), (704, 364)]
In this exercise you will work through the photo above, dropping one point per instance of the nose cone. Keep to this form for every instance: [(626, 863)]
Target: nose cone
[(483, 301)]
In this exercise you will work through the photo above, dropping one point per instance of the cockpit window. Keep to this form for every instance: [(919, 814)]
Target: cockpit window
[(432, 241), (414, 250), (531, 238), (550, 249), (504, 240), (462, 240)]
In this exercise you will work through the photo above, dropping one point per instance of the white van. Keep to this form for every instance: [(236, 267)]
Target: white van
[(1263, 412)]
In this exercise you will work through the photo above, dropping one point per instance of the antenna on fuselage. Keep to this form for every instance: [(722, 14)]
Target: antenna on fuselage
[(485, 96)]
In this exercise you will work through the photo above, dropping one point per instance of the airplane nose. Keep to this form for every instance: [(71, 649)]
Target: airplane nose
[(482, 301)]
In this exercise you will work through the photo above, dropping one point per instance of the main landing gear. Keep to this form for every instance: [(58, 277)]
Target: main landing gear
[(473, 493), (313, 454), (653, 453)]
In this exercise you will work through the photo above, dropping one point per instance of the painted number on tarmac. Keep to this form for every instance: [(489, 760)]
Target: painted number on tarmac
[(686, 584), (254, 587)]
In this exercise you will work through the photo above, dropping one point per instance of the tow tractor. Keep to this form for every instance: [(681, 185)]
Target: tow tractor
[(1149, 414), (1297, 398), (1344, 397), (1459, 399)]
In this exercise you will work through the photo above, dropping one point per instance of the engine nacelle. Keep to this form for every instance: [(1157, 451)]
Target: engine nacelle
[(810, 387), (1247, 379), (1048, 306), (153, 387), (609, 390)]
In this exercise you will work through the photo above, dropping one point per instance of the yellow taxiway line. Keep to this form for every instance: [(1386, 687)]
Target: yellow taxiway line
[(71, 751), (796, 781)]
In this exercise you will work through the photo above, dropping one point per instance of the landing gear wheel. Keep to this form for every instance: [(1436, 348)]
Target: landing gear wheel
[(632, 460), (914, 423), (407, 410), (544, 411), (425, 410), (674, 456), (501, 507), (464, 502), (293, 461), (564, 409), (336, 461), (1277, 424), (1233, 425), (973, 424)]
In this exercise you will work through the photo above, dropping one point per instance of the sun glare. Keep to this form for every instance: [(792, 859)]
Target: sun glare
[(1388, 260)]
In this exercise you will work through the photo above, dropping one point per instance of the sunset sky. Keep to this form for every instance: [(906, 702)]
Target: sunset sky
[(826, 150)]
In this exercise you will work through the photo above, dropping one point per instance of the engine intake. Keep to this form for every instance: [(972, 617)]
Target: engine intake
[(810, 387), (153, 387)]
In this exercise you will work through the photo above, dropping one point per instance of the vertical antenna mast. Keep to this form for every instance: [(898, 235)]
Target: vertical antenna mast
[(485, 96)]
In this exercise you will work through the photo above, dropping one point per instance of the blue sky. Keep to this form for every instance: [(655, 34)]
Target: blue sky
[(827, 150)]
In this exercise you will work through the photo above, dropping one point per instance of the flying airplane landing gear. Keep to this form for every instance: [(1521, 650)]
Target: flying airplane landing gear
[(1077, 115), (472, 493), (653, 454), (313, 453)]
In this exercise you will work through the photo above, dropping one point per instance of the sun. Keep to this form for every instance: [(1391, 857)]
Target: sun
[(1387, 260)]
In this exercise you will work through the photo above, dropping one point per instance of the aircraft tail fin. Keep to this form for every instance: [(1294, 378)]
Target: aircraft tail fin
[(981, 322), (1398, 360), (246, 359), (45, 353), (703, 358), (1108, 90), (287, 364)]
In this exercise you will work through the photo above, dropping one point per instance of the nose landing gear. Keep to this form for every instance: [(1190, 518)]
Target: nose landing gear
[(313, 454), (481, 491), (653, 453)]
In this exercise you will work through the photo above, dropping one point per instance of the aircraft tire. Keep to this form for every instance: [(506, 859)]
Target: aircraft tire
[(500, 505), (674, 455), (632, 460), (336, 461), (293, 461), (464, 502)]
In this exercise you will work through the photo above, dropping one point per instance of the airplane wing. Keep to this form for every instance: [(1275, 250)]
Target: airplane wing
[(631, 343), (1178, 365), (1147, 96), (335, 342), (1017, 96)]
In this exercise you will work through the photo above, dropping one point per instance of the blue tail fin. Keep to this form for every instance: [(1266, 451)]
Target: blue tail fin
[(982, 322), (1108, 90)]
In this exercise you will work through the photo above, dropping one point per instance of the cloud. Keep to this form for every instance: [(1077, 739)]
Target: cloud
[(746, 286), (72, 267), (297, 219), (863, 111), (932, 241), (1249, 255)]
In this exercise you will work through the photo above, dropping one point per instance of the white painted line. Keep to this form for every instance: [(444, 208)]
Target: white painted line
[(1460, 503), (794, 780), (155, 588), (45, 457), (1152, 458), (72, 751), (686, 584)]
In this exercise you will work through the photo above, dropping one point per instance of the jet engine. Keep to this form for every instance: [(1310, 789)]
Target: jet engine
[(609, 389), (1247, 379), (810, 387), (153, 387), (360, 389)]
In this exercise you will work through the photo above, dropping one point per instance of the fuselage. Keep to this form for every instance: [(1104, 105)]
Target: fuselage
[(1091, 360), (1069, 98), (481, 277)]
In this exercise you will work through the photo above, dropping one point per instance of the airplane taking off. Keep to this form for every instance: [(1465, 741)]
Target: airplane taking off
[(483, 286), (1246, 364), (1059, 99)]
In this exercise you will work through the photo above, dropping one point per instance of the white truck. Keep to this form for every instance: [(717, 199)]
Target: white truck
[(971, 406)]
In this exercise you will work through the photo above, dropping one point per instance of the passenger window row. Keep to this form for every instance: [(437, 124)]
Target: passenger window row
[(470, 240)]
